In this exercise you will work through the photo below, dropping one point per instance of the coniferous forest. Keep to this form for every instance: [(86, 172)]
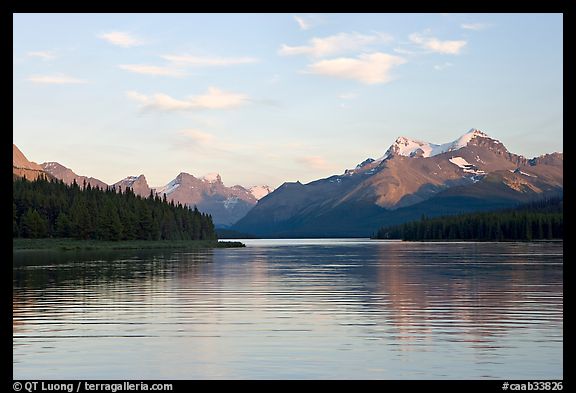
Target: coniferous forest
[(49, 208), (533, 221)]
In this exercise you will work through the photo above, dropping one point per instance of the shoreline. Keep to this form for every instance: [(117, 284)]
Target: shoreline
[(476, 240), (65, 244)]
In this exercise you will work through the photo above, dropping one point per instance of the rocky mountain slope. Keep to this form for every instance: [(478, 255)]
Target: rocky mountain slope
[(226, 204), (22, 167), (68, 176), (138, 184), (473, 172)]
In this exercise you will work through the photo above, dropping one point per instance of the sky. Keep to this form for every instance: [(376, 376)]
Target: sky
[(269, 98)]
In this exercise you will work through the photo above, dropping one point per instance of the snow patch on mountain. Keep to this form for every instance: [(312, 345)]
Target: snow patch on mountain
[(168, 188), (518, 171), (365, 162), (476, 173), (230, 202), (128, 181), (459, 161), (464, 140), (212, 177), (260, 192)]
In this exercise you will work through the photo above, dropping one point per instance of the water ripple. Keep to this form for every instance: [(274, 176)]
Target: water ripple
[(293, 309)]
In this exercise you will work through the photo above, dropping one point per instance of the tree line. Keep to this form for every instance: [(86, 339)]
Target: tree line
[(532, 221), (49, 208)]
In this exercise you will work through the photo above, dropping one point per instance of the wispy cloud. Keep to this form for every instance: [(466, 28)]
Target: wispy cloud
[(440, 67), (58, 79), (121, 38), (314, 162), (274, 79), (345, 98), (335, 44), (435, 45), (306, 22), (44, 55), (302, 23), (207, 61), (198, 136), (152, 70), (370, 68), (214, 98), (406, 52), (473, 26), (348, 96), (176, 64), (209, 145)]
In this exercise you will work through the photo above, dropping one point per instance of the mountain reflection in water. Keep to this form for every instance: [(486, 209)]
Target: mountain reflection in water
[(326, 309)]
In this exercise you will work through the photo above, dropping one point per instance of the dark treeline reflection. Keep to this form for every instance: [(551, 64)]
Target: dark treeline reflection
[(46, 281), (42, 269)]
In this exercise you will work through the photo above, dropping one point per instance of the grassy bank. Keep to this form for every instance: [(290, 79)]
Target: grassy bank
[(74, 244)]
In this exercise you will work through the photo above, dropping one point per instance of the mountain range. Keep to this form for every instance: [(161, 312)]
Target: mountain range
[(412, 178), (68, 176), (226, 204)]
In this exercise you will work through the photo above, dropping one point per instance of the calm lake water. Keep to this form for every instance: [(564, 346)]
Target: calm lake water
[(292, 309)]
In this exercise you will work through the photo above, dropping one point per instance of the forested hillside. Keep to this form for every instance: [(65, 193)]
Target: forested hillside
[(44, 208), (532, 221)]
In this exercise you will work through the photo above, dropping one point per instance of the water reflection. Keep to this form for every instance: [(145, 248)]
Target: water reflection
[(54, 286), (477, 299), (292, 310)]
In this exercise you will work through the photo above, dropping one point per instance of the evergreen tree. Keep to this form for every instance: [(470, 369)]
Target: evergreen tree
[(536, 220), (63, 226), (50, 208), (14, 220), (33, 225)]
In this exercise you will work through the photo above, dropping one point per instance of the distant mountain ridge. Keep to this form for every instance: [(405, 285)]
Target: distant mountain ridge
[(473, 172), (22, 167), (138, 184), (68, 176), (226, 204)]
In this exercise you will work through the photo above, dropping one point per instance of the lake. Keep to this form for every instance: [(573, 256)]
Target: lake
[(292, 309)]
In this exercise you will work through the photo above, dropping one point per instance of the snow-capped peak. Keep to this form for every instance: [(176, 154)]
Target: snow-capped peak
[(212, 178), (466, 138), (129, 181), (260, 192), (407, 147), (168, 188)]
